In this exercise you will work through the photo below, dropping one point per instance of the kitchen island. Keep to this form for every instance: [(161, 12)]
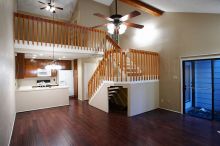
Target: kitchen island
[(28, 98)]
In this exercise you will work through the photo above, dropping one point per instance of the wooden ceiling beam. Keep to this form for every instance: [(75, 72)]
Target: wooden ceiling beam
[(144, 7)]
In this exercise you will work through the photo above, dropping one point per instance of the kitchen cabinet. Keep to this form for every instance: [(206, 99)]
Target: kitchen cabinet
[(27, 68), (20, 65)]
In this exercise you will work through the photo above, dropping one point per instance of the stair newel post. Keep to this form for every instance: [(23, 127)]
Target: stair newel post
[(125, 64)]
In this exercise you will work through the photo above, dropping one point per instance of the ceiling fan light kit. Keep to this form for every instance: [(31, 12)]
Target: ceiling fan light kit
[(117, 23), (50, 6)]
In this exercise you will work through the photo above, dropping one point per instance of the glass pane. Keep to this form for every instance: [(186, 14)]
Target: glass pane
[(201, 101), (217, 89), (188, 85)]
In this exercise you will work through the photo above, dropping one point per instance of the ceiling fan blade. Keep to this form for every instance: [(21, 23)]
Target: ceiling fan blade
[(104, 17), (59, 8), (129, 16), (134, 25), (43, 8), (101, 25), (41, 2)]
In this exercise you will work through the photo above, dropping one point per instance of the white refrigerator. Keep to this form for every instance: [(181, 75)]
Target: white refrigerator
[(65, 78)]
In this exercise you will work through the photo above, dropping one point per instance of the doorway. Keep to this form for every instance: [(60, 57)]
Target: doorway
[(201, 88)]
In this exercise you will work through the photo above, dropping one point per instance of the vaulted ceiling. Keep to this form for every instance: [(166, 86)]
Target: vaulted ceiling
[(194, 6)]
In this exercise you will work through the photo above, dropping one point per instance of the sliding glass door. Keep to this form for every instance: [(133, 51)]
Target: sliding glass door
[(201, 88)]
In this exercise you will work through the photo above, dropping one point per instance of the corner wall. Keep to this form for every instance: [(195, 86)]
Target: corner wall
[(7, 72)]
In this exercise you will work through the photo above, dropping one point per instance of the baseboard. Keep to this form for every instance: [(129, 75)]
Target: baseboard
[(12, 130), (170, 110)]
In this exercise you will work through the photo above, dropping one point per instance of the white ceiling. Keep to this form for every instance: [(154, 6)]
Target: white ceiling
[(105, 2), (194, 6), (32, 6)]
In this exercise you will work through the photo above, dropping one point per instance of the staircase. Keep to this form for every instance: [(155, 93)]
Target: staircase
[(117, 97), (125, 66)]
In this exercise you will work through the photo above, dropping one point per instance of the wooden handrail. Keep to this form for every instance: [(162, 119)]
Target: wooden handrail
[(40, 30), (120, 66)]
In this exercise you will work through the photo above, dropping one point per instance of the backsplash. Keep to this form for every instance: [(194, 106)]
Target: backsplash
[(33, 81)]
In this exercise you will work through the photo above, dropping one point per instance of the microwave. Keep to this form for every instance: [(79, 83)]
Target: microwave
[(43, 73)]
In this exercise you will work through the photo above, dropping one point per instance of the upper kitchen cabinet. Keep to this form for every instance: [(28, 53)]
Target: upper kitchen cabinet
[(20, 65), (27, 68)]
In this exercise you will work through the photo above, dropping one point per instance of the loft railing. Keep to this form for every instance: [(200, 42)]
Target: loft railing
[(31, 29), (122, 66)]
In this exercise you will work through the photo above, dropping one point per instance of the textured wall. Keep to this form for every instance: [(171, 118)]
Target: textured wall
[(7, 72)]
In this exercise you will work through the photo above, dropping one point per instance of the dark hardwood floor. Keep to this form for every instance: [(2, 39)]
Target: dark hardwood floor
[(83, 125)]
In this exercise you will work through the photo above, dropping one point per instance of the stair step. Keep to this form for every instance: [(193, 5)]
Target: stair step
[(115, 88), (110, 92), (135, 74)]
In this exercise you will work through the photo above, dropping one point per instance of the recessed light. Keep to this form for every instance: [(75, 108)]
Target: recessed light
[(218, 132), (59, 58), (64, 56), (33, 57), (41, 54)]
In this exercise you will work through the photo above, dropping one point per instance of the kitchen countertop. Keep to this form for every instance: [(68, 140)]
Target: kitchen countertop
[(30, 88)]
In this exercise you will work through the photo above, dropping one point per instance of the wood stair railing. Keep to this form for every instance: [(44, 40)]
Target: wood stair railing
[(122, 66), (32, 29)]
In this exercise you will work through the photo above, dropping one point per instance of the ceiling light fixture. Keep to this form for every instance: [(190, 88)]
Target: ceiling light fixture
[(53, 65)]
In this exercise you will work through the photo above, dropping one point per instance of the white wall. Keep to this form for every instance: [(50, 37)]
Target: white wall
[(7, 72), (86, 10), (83, 74), (142, 96)]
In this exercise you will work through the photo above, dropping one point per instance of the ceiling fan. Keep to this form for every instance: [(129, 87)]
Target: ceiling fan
[(50, 6), (117, 23)]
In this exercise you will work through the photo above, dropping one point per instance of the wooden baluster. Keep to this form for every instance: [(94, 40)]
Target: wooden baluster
[(37, 31), (78, 37), (28, 30), (145, 66), (23, 29), (142, 68), (33, 33), (71, 37), (121, 60), (14, 27), (61, 35), (136, 62), (153, 65), (18, 29), (58, 34), (68, 35), (41, 32), (125, 65), (150, 66)]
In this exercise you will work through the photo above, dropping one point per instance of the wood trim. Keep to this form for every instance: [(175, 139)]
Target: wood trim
[(144, 7)]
